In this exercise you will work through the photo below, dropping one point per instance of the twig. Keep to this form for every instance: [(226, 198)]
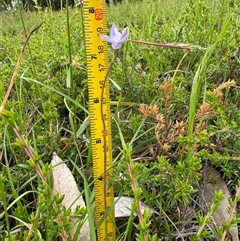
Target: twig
[(169, 45)]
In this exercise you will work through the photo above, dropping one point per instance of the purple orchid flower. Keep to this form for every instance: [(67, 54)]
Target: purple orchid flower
[(116, 37)]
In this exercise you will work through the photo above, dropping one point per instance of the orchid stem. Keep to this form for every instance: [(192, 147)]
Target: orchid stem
[(103, 118)]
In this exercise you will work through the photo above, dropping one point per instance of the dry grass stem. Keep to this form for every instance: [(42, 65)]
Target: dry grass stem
[(16, 69)]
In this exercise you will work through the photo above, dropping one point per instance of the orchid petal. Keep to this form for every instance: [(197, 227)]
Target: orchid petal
[(107, 38), (116, 45), (118, 36), (113, 31), (124, 34)]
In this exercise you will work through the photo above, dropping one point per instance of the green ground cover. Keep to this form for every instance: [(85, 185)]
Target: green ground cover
[(174, 113)]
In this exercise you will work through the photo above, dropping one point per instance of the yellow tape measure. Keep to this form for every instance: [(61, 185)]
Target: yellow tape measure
[(99, 104)]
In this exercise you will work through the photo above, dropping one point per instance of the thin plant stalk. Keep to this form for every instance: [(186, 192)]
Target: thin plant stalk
[(135, 190), (29, 48), (231, 212), (127, 150), (39, 171), (16, 69), (104, 129)]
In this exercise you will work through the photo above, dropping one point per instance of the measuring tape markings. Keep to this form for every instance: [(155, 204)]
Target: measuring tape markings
[(99, 105)]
